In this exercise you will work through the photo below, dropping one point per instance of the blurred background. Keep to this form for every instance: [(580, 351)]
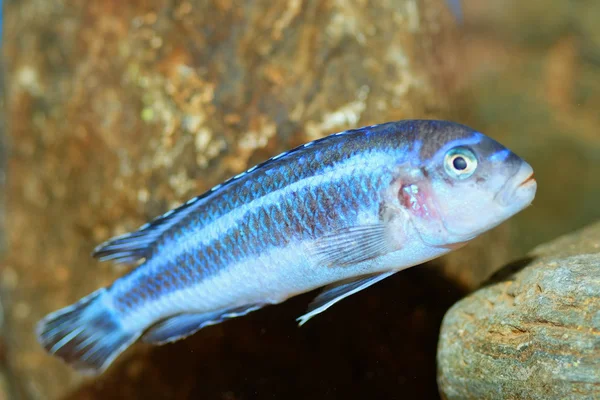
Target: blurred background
[(113, 112)]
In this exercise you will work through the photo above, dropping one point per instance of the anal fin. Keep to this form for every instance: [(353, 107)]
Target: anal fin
[(182, 325), (333, 293)]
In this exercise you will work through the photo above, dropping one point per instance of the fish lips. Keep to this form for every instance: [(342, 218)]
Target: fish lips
[(520, 189)]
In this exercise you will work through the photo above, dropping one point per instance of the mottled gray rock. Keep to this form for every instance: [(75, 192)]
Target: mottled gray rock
[(534, 334)]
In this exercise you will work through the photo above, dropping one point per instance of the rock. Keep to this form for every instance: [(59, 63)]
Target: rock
[(3, 153), (120, 110), (6, 391), (531, 333)]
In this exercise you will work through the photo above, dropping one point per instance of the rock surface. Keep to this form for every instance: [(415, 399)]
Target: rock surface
[(6, 391), (120, 110), (533, 332)]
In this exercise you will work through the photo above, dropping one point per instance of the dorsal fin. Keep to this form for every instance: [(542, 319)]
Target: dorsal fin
[(131, 247)]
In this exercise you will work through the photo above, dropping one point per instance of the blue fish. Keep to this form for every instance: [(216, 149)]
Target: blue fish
[(342, 212), (456, 9)]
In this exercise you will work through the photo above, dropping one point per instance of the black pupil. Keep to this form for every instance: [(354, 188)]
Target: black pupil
[(460, 163)]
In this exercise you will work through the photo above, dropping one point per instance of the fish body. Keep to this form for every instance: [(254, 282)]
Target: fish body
[(346, 211)]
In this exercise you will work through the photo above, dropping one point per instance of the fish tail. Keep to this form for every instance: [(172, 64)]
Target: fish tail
[(88, 335)]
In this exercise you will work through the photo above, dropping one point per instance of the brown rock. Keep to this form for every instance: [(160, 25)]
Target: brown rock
[(120, 110), (534, 334)]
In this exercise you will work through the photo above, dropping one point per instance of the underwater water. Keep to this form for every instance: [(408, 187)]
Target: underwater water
[(531, 74), (114, 113)]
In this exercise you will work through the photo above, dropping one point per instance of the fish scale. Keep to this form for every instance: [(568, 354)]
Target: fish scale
[(273, 231), (272, 180), (342, 212)]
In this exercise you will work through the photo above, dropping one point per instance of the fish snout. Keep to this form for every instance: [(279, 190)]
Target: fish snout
[(520, 188)]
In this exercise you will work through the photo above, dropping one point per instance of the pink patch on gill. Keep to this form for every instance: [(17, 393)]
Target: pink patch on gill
[(417, 200)]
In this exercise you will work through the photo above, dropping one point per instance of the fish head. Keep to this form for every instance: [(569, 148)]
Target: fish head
[(468, 183)]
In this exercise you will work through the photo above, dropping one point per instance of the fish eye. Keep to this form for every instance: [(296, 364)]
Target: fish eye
[(460, 163)]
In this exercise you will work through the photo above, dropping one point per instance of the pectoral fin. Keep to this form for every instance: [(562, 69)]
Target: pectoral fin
[(351, 245), (333, 293)]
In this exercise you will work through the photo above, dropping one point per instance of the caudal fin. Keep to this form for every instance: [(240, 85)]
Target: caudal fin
[(86, 335)]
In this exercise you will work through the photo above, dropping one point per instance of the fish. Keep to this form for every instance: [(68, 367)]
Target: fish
[(339, 213), (455, 7)]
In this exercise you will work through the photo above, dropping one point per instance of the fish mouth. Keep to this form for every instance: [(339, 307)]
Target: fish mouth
[(520, 188), (530, 180)]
